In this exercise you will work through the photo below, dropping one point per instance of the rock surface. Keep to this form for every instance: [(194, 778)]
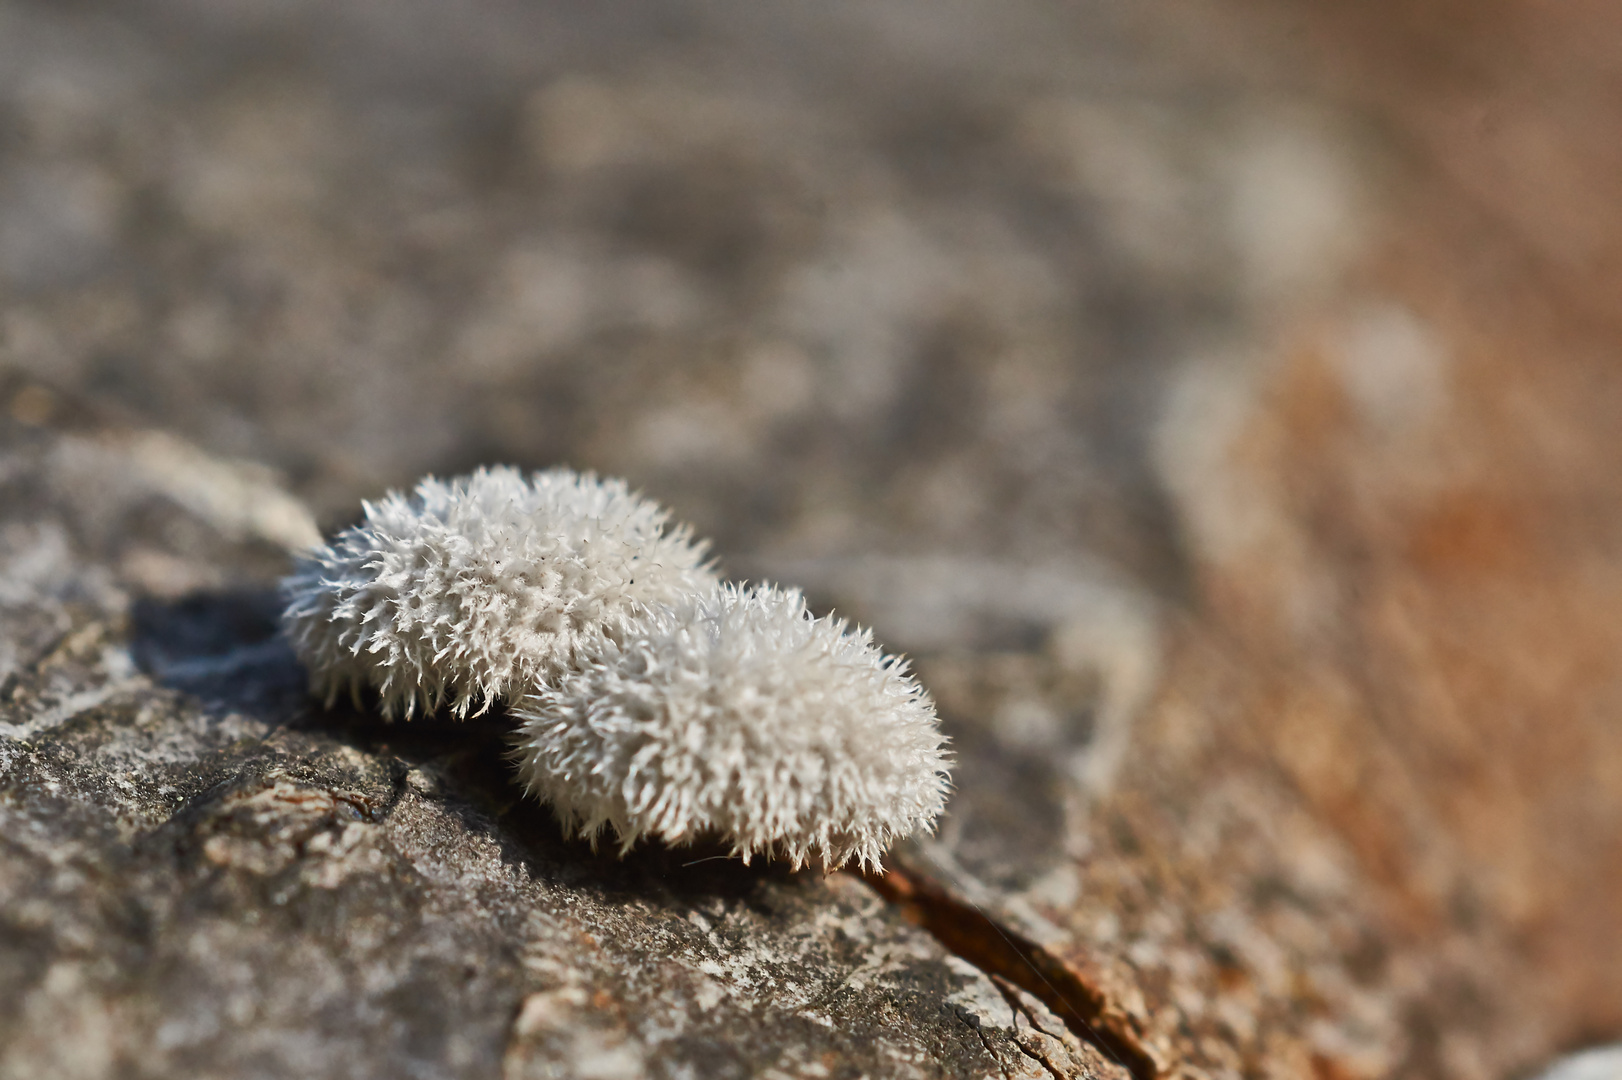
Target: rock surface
[(204, 874)]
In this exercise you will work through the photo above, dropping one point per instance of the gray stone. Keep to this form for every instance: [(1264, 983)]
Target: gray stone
[(204, 873)]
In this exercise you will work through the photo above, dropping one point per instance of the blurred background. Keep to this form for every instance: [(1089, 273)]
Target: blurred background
[(1237, 370), (829, 278)]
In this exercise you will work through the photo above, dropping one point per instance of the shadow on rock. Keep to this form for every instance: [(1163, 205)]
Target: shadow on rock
[(225, 650), (468, 765)]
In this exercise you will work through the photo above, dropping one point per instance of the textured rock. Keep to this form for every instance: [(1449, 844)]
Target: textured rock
[(205, 874)]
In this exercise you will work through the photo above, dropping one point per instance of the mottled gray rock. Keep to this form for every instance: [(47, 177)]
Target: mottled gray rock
[(202, 873)]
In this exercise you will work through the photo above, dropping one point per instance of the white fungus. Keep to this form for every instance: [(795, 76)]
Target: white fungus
[(471, 591), (653, 700), (736, 713)]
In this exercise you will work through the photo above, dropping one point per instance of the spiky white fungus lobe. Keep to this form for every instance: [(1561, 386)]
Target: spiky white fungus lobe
[(737, 713), (471, 590)]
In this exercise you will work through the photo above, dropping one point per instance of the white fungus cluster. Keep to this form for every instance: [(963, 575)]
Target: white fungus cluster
[(653, 700), (470, 591), (740, 714)]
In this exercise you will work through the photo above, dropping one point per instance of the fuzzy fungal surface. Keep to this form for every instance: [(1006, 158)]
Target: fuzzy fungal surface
[(467, 591), (740, 714)]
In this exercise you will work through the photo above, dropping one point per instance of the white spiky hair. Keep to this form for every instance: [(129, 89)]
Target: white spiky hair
[(472, 590), (737, 713)]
